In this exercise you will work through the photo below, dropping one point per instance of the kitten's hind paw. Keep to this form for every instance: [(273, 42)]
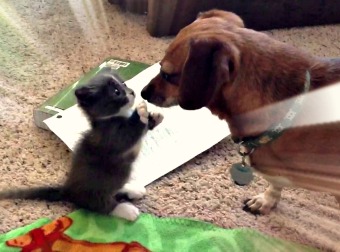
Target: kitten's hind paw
[(155, 119), (143, 112), (126, 211)]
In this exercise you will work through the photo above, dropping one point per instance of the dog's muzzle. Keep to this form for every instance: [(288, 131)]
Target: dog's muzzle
[(147, 92)]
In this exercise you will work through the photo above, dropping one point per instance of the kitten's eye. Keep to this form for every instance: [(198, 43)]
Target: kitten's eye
[(117, 92)]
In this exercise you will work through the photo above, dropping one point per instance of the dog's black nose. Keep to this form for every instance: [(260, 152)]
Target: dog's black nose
[(236, 139), (147, 92)]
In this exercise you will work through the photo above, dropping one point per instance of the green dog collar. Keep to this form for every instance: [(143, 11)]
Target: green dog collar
[(275, 131), (241, 173)]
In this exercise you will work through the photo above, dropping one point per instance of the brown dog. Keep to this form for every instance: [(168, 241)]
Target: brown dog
[(251, 80)]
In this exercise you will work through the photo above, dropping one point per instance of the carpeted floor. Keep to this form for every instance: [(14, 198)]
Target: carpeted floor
[(47, 44)]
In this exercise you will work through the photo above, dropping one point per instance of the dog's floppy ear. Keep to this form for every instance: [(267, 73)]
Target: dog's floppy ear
[(208, 66)]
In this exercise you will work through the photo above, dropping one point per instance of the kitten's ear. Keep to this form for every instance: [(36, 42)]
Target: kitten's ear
[(85, 95)]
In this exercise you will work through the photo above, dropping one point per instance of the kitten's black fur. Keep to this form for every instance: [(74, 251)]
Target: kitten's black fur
[(102, 160)]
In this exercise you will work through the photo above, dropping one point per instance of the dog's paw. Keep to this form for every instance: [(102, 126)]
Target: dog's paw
[(143, 112), (155, 119), (126, 211), (133, 190), (260, 204)]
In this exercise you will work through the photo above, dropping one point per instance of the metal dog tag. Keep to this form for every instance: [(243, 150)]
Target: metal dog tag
[(241, 173)]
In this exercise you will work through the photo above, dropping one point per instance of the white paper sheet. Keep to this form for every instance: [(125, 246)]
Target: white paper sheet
[(181, 136)]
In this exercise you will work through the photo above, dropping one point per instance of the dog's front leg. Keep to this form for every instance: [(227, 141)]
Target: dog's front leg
[(264, 202), (337, 197)]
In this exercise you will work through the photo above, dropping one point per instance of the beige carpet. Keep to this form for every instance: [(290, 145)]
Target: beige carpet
[(47, 44)]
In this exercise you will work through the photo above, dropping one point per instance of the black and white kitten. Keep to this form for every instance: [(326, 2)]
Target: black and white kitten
[(103, 158)]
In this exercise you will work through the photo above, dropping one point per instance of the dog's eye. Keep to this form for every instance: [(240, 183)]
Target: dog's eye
[(165, 76), (171, 78)]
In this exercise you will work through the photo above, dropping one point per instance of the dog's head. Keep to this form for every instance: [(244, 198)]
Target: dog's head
[(228, 17), (197, 64)]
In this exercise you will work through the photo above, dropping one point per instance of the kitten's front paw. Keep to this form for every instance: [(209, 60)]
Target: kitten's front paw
[(133, 190), (155, 119), (126, 211), (143, 112)]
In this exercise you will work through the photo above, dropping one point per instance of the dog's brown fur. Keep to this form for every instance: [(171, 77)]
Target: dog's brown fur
[(233, 71)]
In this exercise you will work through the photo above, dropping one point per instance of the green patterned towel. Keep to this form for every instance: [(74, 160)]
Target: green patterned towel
[(83, 231)]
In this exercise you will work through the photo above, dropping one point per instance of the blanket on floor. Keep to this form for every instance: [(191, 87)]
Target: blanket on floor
[(83, 231)]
